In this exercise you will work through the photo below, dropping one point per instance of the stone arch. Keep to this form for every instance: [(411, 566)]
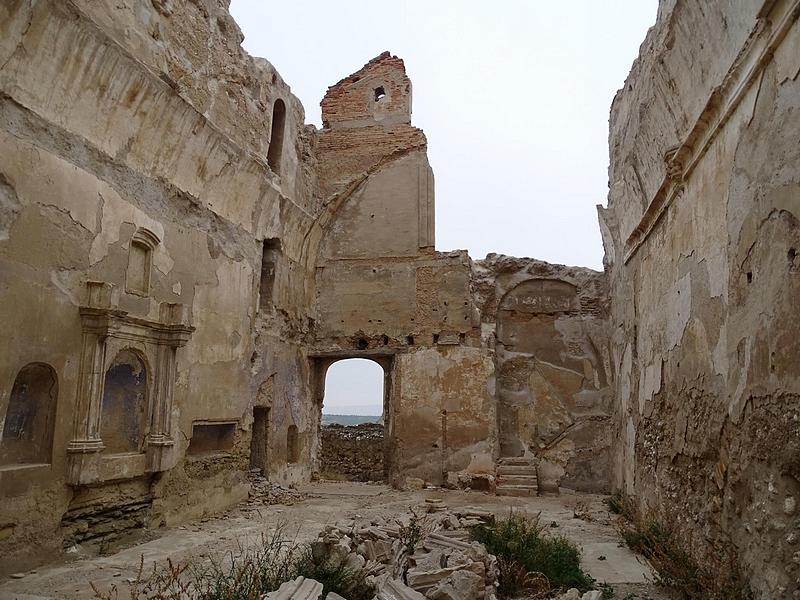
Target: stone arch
[(123, 419), (530, 362), (29, 420), (320, 366)]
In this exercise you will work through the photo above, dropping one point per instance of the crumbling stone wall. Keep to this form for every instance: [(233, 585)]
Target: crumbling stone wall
[(548, 327), (162, 200), (352, 452), (701, 235), (133, 149), (382, 291)]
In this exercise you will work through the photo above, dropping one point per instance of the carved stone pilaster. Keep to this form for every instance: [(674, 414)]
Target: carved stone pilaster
[(106, 330)]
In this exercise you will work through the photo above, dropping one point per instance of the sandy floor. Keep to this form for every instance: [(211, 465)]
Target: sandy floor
[(603, 555)]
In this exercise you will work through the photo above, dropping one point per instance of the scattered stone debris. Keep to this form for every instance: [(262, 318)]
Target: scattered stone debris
[(298, 589), (265, 492), (425, 554), (574, 594)]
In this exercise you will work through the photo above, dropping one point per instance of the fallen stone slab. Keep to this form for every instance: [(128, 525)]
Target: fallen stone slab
[(459, 585), (299, 589), (394, 589)]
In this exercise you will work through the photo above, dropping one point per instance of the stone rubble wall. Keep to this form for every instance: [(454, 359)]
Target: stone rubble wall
[(353, 452), (701, 235)]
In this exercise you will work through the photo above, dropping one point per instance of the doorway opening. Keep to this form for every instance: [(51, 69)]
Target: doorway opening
[(259, 442), (352, 432)]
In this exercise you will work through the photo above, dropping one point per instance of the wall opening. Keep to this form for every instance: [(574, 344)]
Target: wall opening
[(292, 445), (269, 261), (275, 151), (123, 416), (140, 260), (212, 437), (259, 442), (28, 423), (352, 440)]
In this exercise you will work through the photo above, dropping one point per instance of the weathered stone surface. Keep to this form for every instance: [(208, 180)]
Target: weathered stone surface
[(552, 367), (353, 452), (701, 236), (182, 259), (298, 589)]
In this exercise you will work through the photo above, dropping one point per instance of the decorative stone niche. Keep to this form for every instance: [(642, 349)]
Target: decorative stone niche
[(140, 261), (122, 426)]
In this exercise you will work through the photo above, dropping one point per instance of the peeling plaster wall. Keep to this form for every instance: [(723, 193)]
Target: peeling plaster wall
[(547, 324), (701, 236), (115, 118), (138, 212)]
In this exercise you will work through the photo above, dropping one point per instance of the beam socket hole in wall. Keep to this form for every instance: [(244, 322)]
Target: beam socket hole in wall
[(435, 338), (749, 277), (385, 340), (29, 420), (380, 93), (410, 340), (791, 255), (275, 150), (212, 437), (362, 344)]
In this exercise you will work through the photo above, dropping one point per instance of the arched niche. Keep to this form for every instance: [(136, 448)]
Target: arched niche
[(275, 150), (29, 420), (124, 408)]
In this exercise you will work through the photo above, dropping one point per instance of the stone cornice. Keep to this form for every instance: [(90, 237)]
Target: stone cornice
[(777, 18)]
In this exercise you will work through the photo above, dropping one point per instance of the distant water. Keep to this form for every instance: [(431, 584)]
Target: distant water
[(349, 419)]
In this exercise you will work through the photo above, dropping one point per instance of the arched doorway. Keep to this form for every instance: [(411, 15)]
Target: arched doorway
[(353, 418)]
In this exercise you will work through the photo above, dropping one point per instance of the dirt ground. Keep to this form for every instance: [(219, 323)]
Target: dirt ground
[(604, 557)]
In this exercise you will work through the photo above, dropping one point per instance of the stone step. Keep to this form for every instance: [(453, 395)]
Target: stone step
[(516, 490), (516, 470), (529, 480), (516, 461)]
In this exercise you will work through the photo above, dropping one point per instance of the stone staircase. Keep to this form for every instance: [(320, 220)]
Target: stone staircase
[(516, 476)]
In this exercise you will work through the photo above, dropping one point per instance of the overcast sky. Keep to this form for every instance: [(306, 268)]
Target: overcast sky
[(513, 96)]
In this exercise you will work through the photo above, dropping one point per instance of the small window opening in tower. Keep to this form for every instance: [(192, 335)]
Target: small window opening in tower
[(380, 93)]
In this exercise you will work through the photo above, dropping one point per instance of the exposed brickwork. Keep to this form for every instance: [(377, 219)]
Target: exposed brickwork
[(358, 96)]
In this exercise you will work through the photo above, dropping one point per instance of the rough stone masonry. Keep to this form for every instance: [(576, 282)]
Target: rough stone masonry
[(182, 258)]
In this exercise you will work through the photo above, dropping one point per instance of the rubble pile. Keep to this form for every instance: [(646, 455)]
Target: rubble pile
[(264, 492), (352, 452), (427, 554)]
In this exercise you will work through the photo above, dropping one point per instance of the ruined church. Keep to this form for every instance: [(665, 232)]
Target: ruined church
[(182, 258)]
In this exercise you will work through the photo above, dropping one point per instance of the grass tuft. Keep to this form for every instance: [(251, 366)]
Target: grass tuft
[(674, 565), (245, 574), (530, 560)]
